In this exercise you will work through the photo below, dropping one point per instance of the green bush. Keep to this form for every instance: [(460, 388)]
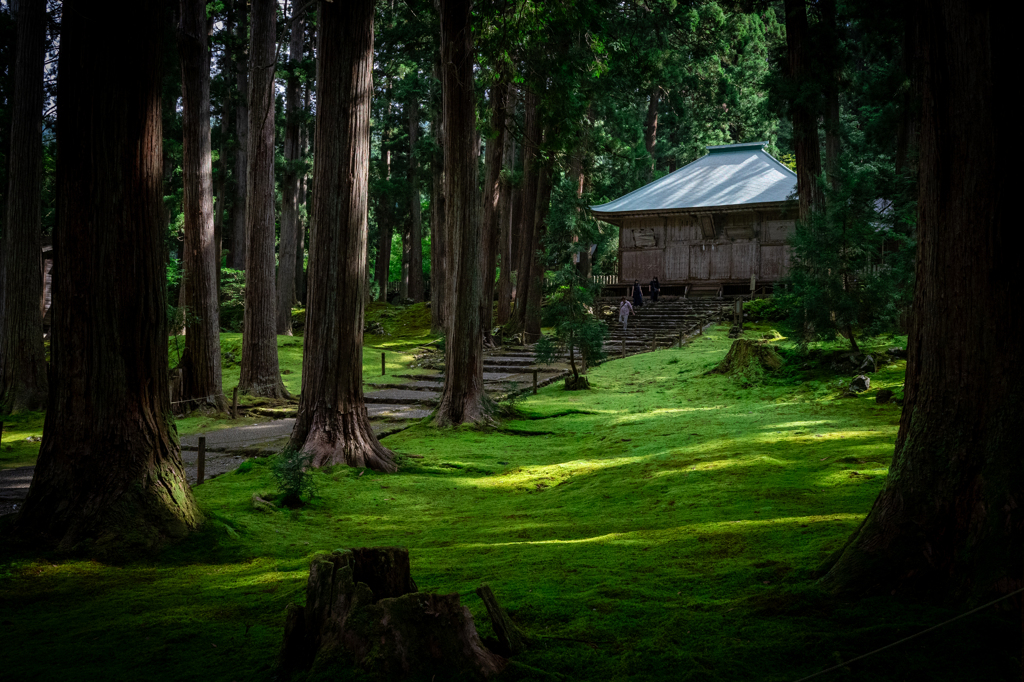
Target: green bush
[(291, 468), (766, 309)]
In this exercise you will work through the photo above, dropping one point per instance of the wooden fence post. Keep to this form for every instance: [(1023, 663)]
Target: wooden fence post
[(234, 403), (383, 367), (201, 461), (535, 382)]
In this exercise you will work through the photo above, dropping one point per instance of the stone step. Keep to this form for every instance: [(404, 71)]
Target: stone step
[(401, 397)]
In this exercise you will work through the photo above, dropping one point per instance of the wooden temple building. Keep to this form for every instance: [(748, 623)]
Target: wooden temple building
[(710, 226)]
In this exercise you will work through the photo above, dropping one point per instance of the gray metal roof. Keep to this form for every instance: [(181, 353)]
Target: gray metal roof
[(729, 175)]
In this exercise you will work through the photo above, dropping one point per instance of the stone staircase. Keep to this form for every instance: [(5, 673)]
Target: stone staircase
[(657, 325)]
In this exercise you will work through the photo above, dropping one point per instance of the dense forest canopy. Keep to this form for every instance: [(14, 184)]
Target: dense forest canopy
[(625, 93)]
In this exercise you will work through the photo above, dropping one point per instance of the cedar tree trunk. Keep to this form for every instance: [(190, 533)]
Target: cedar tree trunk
[(200, 364), (439, 281), (651, 129), (524, 226), (416, 292), (492, 200), (949, 523), (109, 469), (463, 399), (802, 109), (386, 207), (260, 374), (332, 423), (23, 384), (505, 204), (242, 141), (290, 182), (536, 290)]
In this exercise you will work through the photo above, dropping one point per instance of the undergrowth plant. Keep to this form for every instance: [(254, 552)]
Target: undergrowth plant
[(293, 472)]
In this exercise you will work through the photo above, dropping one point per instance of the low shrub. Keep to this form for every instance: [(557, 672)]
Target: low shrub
[(291, 468)]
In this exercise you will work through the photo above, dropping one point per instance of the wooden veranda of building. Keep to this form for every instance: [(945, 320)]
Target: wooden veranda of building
[(710, 226)]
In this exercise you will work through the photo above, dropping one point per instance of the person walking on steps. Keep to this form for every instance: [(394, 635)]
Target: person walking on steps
[(638, 294), (625, 310), (655, 290)]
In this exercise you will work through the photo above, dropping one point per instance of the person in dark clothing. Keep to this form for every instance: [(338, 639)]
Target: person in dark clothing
[(655, 289), (638, 294)]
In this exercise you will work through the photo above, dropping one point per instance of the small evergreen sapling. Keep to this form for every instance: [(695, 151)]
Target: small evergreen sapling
[(293, 470), (576, 330)]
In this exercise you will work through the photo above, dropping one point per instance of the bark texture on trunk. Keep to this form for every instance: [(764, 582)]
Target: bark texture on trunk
[(536, 291), (949, 523), (23, 381), (416, 291), (332, 423), (300, 248), (200, 363), (524, 226), (505, 203), (238, 238), (833, 141), (439, 280), (260, 374), (385, 209), (651, 128), (109, 471), (289, 237), (463, 399), (492, 201), (802, 109)]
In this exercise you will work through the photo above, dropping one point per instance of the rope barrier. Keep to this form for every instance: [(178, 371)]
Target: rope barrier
[(907, 639)]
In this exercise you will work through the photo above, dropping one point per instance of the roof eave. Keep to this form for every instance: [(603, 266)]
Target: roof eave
[(615, 216)]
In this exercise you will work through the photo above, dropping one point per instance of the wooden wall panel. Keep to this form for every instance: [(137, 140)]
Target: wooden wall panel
[(744, 259), (721, 262), (778, 230), (700, 260), (677, 262), (774, 262), (643, 265)]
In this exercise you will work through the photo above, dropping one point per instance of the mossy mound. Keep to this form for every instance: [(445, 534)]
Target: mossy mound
[(749, 360), (579, 383)]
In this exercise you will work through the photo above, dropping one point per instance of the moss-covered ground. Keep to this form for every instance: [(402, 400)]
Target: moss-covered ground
[(663, 526), (406, 330)]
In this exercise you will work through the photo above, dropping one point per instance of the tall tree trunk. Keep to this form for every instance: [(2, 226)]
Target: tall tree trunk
[(109, 469), (288, 241), (416, 221), (220, 200), (332, 423), (403, 280), (651, 128), (385, 208), (463, 399), (200, 364), (492, 198), (505, 204), (23, 384), (238, 235), (949, 523), (527, 212), (303, 225), (536, 291), (802, 109), (439, 281), (260, 373), (833, 141)]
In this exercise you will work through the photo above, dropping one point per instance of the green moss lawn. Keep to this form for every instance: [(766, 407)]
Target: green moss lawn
[(663, 526)]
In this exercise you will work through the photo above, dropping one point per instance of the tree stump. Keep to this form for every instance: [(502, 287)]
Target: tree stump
[(746, 354), (363, 612)]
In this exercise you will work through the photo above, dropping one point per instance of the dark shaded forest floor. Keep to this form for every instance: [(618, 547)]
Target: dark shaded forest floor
[(663, 526)]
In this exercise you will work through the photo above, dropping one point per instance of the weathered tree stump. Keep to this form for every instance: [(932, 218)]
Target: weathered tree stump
[(745, 354), (363, 612)]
